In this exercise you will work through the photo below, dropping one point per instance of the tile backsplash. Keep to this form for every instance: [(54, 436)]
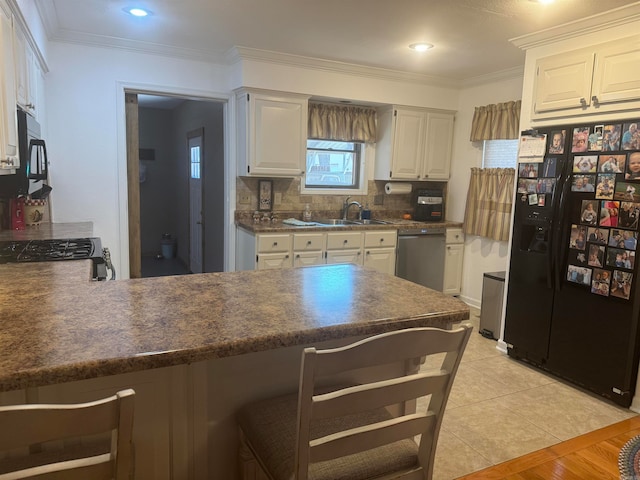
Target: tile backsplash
[(287, 198)]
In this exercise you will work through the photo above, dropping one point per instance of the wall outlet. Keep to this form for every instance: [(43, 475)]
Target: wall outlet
[(277, 198), (245, 199)]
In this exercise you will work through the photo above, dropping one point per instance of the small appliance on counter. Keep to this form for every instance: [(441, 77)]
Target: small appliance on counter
[(429, 206), (32, 173)]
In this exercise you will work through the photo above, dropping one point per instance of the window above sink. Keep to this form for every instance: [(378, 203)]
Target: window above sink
[(335, 168)]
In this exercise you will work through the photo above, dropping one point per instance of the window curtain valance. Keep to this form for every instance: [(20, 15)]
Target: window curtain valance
[(497, 121), (488, 211), (346, 123)]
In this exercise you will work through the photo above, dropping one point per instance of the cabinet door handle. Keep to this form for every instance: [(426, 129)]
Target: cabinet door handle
[(595, 101), (286, 256), (275, 244), (308, 242), (583, 102), (298, 256), (345, 242)]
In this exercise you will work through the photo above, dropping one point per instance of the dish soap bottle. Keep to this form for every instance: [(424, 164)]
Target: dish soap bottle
[(366, 213), (306, 215)]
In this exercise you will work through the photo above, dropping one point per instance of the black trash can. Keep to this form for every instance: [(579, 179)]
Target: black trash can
[(491, 308)]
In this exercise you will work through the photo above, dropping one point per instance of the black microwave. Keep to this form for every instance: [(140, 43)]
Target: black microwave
[(33, 159)]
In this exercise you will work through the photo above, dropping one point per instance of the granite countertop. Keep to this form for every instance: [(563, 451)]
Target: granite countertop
[(393, 224), (59, 326), (46, 231)]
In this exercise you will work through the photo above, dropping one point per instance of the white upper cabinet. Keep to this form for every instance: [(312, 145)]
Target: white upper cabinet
[(271, 133), (27, 74), (413, 144), (437, 162), (9, 159), (603, 78)]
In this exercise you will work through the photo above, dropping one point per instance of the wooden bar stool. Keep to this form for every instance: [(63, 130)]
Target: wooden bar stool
[(360, 431), (23, 426)]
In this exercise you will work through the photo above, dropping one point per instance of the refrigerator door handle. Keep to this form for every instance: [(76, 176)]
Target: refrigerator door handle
[(557, 257)]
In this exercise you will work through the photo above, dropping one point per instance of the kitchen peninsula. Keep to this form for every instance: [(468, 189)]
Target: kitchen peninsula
[(193, 347)]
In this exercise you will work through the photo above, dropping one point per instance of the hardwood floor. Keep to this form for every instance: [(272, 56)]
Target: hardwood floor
[(590, 456)]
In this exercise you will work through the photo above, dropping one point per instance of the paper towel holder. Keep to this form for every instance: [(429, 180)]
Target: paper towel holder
[(397, 188)]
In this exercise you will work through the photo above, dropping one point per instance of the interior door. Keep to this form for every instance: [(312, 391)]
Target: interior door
[(195, 141)]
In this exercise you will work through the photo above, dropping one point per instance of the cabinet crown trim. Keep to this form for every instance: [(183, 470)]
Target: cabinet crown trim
[(578, 28)]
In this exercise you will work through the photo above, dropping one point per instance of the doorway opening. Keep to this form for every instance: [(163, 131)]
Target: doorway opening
[(176, 221)]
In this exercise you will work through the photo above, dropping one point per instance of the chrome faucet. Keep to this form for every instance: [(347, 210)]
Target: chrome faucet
[(347, 204)]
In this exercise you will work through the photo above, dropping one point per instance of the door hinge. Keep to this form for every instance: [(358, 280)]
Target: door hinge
[(248, 169), (256, 259), (395, 113), (248, 95), (390, 174)]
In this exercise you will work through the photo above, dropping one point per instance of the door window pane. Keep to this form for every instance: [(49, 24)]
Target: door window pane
[(195, 161)]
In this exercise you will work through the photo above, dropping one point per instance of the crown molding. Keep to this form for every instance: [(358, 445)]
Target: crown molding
[(55, 33), (511, 73), (135, 46), (594, 23), (239, 53), (26, 31)]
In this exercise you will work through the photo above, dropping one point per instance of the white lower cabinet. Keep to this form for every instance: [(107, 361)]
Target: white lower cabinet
[(308, 249), (376, 249), (380, 250), (344, 256), (344, 247), (382, 259), (454, 251), (273, 260)]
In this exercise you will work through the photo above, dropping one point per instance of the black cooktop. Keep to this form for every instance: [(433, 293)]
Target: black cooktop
[(49, 250)]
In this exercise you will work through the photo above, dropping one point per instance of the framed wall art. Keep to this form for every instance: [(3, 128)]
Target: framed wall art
[(265, 195)]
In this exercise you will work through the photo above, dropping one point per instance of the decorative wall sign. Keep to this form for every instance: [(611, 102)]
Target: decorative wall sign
[(265, 195)]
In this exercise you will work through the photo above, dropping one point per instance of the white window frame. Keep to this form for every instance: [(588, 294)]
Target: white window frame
[(512, 146), (366, 152)]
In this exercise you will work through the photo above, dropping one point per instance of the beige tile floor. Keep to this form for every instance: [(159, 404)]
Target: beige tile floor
[(500, 409)]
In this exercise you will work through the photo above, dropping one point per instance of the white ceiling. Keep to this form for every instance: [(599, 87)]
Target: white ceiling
[(471, 37)]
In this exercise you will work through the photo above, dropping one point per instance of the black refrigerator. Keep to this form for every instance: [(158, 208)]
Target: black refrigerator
[(573, 294)]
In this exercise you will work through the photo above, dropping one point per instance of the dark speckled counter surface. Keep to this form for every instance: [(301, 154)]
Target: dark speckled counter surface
[(58, 326), (394, 224)]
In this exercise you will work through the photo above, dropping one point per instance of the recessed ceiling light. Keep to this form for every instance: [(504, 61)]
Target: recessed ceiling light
[(137, 12), (420, 47)]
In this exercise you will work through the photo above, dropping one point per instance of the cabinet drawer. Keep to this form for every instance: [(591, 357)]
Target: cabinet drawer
[(454, 235), (308, 241), (274, 243), (342, 240), (383, 238)]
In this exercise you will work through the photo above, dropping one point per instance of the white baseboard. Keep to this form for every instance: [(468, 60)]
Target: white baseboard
[(472, 302)]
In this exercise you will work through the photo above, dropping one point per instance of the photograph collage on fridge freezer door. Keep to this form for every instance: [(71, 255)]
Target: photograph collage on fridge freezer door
[(605, 163)]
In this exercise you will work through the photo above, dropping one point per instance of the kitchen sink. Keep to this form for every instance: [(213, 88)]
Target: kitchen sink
[(336, 221), (371, 222), (339, 221)]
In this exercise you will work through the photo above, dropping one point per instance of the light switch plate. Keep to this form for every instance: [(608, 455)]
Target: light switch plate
[(245, 199), (277, 198)]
